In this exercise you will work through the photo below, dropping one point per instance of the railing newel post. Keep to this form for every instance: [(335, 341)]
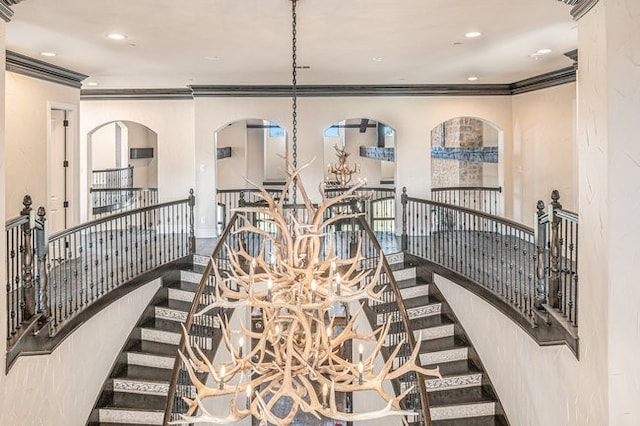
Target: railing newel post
[(192, 235), (42, 251), (540, 241), (28, 293), (404, 199), (554, 276)]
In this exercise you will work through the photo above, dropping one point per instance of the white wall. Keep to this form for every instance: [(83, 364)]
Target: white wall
[(61, 388), (3, 235), (537, 385), (411, 117), (26, 124), (232, 171), (145, 170), (103, 148), (544, 152), (172, 120), (609, 123)]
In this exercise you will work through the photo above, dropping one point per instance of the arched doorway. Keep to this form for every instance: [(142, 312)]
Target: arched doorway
[(465, 164), (123, 167)]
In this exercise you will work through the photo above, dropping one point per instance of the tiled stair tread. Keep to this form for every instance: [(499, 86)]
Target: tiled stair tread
[(497, 420), (443, 344), (182, 285), (141, 372), (175, 305), (461, 396), (171, 326), (152, 347), (135, 401), (114, 415)]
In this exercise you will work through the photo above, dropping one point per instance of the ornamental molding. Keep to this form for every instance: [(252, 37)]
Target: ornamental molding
[(582, 7), (21, 64)]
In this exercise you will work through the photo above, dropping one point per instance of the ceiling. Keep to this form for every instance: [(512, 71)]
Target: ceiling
[(173, 44)]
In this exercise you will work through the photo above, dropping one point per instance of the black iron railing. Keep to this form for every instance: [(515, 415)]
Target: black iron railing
[(59, 276), (105, 201), (112, 178), (484, 199), (523, 268), (345, 236)]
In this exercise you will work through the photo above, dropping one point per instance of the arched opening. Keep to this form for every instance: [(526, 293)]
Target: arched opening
[(248, 151), (465, 164), (123, 167), (363, 149)]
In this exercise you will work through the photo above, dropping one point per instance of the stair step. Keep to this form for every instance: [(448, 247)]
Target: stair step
[(160, 336), (405, 274), (395, 258), (461, 396), (139, 386), (463, 411), (144, 373), (449, 355), (474, 421), (200, 260), (150, 360), (414, 313), (190, 276), (180, 294), (137, 401), (455, 375), (133, 417)]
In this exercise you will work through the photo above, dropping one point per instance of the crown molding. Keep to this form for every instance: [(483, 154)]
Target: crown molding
[(21, 64), (551, 79), (582, 7), (544, 81), (135, 94)]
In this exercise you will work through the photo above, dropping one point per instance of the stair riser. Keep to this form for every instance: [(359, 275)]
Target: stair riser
[(413, 313), (434, 358), (190, 276), (454, 382), (147, 360), (130, 416), (404, 274), (395, 258), (181, 295), (139, 387)]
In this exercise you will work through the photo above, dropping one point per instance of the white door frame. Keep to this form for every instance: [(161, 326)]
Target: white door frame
[(73, 156)]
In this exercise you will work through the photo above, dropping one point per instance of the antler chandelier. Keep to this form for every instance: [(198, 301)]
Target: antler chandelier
[(292, 284), (298, 353), (340, 169)]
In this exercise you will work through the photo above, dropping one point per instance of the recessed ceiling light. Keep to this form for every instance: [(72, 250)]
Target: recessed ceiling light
[(92, 83), (377, 59), (212, 58), (116, 36), (472, 78), (48, 54), (543, 51), (473, 34)]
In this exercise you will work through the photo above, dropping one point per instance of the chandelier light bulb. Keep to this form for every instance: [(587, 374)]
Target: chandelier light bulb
[(360, 352)]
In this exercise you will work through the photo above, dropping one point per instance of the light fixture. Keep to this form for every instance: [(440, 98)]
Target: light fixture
[(341, 170), (212, 58), (92, 83), (473, 34), (116, 36), (291, 286), (543, 51), (377, 59), (472, 78), (48, 54)]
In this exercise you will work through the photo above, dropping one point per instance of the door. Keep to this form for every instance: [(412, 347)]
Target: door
[(58, 165)]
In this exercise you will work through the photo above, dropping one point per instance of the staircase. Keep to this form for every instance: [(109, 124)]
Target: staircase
[(464, 396), (135, 391)]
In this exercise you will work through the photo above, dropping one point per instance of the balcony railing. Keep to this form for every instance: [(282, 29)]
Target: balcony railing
[(54, 278), (112, 178), (484, 199), (532, 273), (106, 201)]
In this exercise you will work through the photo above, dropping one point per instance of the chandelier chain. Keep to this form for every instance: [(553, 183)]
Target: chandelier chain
[(294, 96)]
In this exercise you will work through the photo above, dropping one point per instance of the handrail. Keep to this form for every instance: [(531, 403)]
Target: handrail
[(481, 214), (467, 188), (188, 323), (424, 399), (123, 189), (115, 169)]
